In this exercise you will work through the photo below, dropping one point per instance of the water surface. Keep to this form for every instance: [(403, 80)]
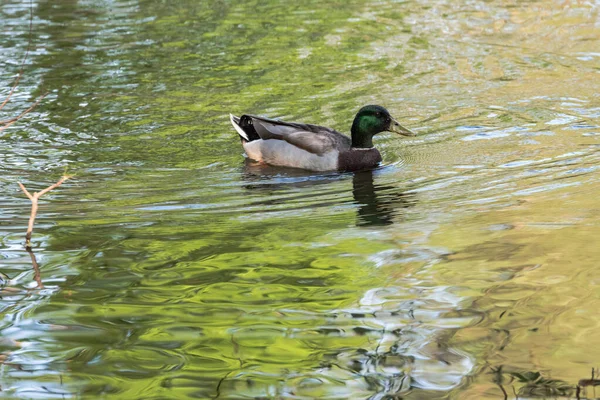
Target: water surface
[(464, 267)]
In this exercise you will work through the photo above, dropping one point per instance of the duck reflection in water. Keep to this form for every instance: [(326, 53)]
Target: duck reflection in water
[(378, 204)]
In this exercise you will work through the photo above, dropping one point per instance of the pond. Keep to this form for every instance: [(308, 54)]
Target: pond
[(464, 267)]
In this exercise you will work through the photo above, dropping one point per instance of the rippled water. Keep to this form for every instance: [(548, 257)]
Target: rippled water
[(464, 267)]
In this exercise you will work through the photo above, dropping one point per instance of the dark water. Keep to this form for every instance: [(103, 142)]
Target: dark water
[(464, 267)]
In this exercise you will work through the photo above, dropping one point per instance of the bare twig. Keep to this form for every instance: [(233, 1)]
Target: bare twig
[(9, 122), (36, 269), (34, 205), (14, 86)]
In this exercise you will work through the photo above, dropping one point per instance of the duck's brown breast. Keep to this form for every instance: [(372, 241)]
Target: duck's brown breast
[(356, 159)]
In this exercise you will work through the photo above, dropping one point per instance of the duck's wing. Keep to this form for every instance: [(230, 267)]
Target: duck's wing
[(312, 138)]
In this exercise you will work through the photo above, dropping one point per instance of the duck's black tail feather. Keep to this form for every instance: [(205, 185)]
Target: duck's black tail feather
[(244, 127)]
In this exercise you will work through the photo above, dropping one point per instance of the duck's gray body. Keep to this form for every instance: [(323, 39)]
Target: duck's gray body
[(305, 146)]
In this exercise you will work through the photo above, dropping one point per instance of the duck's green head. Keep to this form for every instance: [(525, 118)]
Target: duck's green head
[(369, 121)]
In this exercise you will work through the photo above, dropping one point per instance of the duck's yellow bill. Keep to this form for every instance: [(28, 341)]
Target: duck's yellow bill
[(399, 129)]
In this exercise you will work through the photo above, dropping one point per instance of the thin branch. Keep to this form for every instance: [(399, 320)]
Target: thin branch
[(34, 205), (36, 269), (11, 121), (24, 189), (14, 119), (503, 391), (12, 90), (57, 184), (5, 124)]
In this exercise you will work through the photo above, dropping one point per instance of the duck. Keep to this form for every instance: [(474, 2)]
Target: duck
[(313, 147)]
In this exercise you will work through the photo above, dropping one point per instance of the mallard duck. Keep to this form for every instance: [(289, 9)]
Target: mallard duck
[(314, 147)]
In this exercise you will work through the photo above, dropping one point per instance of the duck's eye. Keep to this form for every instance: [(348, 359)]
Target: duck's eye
[(378, 114)]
